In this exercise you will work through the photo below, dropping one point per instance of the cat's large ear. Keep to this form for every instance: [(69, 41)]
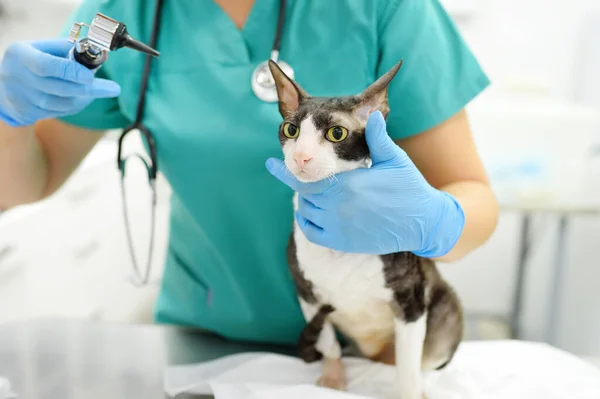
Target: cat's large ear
[(290, 93), (375, 97)]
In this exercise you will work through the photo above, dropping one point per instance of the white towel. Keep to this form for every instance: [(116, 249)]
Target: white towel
[(480, 370)]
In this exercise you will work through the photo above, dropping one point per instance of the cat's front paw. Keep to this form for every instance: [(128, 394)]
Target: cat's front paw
[(332, 382), (333, 375)]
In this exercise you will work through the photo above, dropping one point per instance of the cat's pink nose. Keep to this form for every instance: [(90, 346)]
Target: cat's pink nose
[(302, 158)]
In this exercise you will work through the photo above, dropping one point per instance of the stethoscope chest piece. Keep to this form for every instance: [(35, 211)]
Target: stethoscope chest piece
[(263, 83)]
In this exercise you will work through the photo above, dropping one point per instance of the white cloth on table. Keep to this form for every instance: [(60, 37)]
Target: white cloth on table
[(480, 370)]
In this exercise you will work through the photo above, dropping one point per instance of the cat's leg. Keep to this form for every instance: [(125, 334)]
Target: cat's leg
[(319, 335), (444, 327), (410, 338), (406, 277)]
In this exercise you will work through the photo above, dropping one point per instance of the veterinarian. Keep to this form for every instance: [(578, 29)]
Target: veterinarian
[(216, 141)]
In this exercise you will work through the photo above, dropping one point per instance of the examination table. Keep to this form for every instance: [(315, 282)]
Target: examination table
[(57, 359)]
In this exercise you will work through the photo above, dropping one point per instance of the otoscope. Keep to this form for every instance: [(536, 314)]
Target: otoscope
[(104, 35)]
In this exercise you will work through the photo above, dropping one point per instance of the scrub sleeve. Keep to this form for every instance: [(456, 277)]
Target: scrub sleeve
[(439, 75)]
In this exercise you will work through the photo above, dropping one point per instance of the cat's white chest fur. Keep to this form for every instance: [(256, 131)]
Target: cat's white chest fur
[(353, 284)]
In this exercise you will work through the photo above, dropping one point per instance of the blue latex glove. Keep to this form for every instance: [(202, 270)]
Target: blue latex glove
[(387, 208), (38, 81)]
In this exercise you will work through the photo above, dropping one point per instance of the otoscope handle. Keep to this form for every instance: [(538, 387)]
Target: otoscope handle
[(82, 54)]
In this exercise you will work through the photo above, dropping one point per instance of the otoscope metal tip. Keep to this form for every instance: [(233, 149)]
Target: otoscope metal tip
[(131, 43)]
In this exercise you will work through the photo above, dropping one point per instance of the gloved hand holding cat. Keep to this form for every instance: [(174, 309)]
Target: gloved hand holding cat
[(386, 208)]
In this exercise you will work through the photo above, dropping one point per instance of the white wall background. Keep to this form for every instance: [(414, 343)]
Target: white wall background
[(547, 47), (531, 40), (526, 45)]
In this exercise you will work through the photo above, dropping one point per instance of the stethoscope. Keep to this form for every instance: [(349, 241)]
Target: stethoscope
[(262, 80), (264, 88)]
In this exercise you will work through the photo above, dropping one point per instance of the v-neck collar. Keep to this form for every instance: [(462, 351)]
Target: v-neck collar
[(241, 41)]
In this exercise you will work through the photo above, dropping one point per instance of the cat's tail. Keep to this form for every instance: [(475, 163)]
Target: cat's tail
[(307, 344)]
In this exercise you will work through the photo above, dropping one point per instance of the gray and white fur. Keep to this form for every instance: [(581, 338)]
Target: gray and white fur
[(397, 300)]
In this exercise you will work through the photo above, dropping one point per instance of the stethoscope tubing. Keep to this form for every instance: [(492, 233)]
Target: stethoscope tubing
[(264, 92)]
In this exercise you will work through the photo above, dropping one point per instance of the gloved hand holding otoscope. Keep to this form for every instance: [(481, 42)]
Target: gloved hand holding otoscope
[(52, 78)]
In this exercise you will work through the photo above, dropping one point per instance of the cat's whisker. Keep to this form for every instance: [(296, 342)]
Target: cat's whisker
[(286, 171), (284, 167), (332, 178)]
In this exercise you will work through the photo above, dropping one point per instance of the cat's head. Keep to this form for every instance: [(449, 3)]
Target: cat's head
[(322, 136)]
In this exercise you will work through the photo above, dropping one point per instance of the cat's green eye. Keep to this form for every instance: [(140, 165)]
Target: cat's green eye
[(290, 131), (337, 134)]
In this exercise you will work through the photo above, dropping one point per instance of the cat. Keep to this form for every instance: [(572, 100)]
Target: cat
[(373, 301)]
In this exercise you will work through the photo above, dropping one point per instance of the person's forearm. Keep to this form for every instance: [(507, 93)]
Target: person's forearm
[(481, 216), (23, 168)]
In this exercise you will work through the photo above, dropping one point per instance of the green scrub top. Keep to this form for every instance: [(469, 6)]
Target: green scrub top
[(230, 220)]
